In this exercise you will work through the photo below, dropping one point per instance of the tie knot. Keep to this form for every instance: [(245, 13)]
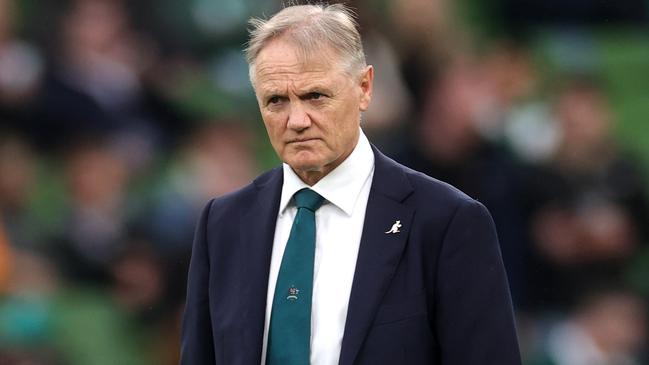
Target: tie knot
[(309, 199)]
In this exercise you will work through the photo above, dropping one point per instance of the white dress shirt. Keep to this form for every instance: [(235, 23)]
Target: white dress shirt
[(339, 225)]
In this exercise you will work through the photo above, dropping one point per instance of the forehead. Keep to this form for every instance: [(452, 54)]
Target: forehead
[(282, 60)]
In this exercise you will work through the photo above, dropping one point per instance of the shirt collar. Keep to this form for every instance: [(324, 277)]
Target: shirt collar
[(342, 186)]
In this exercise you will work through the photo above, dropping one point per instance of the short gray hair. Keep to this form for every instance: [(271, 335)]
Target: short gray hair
[(309, 26)]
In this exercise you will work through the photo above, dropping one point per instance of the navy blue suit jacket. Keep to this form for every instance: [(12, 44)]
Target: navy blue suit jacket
[(435, 293)]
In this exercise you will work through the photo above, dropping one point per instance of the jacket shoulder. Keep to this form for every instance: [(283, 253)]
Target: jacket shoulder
[(427, 188), (428, 185)]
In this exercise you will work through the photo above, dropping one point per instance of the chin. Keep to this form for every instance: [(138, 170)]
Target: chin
[(306, 167), (305, 161)]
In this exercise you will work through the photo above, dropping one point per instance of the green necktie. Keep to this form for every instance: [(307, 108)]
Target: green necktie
[(289, 336)]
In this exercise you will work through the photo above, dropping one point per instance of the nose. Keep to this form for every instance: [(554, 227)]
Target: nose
[(298, 119)]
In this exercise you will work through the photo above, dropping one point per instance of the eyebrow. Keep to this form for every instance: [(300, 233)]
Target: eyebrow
[(319, 90), (272, 91), (315, 87)]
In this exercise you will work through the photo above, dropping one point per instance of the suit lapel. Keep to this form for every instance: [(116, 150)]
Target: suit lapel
[(379, 253), (257, 233)]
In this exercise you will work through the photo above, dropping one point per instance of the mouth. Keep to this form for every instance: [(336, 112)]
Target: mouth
[(302, 140)]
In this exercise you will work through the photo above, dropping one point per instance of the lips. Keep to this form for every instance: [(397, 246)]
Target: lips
[(302, 140)]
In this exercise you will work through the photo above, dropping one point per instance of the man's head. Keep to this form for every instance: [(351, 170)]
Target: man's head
[(309, 73)]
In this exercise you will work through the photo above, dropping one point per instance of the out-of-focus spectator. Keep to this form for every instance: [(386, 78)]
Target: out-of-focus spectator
[(17, 177), (220, 157), (448, 146), (512, 113), (96, 222), (426, 35), (607, 328), (591, 201), (94, 85), (17, 185), (391, 109), (21, 68), (138, 282), (389, 116), (20, 62), (26, 311), (216, 159), (5, 259), (149, 291)]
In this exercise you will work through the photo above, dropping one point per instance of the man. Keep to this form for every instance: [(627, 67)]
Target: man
[(342, 256)]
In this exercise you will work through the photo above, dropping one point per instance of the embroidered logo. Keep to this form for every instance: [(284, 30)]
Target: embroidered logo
[(293, 293)]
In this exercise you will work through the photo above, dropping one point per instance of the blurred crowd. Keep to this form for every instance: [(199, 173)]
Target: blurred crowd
[(120, 120)]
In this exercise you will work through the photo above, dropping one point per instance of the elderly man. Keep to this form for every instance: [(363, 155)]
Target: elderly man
[(341, 256)]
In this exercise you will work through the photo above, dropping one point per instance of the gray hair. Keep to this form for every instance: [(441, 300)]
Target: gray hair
[(309, 26)]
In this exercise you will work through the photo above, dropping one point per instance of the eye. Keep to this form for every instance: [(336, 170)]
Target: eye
[(314, 96), (275, 99)]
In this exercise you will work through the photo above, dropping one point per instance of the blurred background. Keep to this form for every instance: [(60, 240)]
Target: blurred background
[(120, 119)]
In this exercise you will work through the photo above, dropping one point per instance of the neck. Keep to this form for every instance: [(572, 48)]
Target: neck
[(311, 177)]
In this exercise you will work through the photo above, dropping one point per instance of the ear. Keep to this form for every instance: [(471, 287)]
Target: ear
[(366, 82)]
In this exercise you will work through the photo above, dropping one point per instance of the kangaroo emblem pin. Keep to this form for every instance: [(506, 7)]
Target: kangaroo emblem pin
[(395, 228)]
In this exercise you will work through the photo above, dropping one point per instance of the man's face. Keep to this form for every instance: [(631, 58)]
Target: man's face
[(311, 108)]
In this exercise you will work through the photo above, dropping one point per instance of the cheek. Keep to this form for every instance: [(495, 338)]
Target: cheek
[(272, 121), (346, 125), (274, 128)]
